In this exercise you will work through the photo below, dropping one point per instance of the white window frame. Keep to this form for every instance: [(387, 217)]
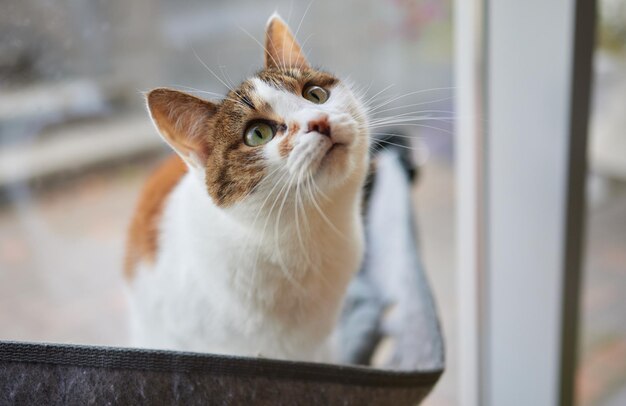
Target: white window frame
[(523, 72)]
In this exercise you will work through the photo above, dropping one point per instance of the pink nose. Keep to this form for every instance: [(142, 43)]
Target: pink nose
[(320, 125)]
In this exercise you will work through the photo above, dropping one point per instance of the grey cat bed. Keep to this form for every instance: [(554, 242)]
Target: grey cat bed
[(390, 300)]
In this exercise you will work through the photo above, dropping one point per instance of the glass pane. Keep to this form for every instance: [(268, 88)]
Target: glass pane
[(76, 144), (602, 356)]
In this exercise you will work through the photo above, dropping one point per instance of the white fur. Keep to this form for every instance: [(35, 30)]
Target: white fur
[(267, 275)]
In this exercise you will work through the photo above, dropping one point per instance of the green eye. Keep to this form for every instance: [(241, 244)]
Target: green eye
[(315, 94), (258, 134)]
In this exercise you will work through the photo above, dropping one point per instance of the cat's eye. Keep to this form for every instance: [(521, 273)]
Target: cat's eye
[(258, 134), (315, 94)]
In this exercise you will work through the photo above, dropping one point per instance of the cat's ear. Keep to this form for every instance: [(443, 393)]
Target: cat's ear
[(184, 121), (281, 48)]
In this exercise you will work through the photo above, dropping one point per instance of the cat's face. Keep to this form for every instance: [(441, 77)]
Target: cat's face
[(288, 126)]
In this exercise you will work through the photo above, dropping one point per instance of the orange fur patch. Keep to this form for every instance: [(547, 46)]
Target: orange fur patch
[(142, 241)]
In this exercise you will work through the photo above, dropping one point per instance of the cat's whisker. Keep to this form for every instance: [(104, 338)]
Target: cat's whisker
[(320, 191), (407, 119), (417, 113), (367, 102), (227, 77), (284, 189), (434, 89), (323, 216), (315, 265), (318, 272), (274, 61), (211, 71), (305, 203), (190, 88), (393, 120), (220, 96), (282, 264), (267, 219), (299, 191), (412, 148), (400, 123), (295, 35), (254, 223), (359, 91), (304, 44), (288, 21), (411, 137), (415, 104), (404, 95), (404, 120), (296, 205), (418, 125)]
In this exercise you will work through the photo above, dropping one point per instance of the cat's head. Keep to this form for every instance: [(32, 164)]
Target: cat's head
[(288, 125)]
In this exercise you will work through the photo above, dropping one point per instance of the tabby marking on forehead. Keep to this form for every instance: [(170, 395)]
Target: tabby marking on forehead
[(294, 80)]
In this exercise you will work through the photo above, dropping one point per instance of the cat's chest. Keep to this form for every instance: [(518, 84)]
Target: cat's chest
[(213, 266), (215, 282)]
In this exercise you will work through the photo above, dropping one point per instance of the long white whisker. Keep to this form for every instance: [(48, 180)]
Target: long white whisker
[(297, 215), (282, 266), (401, 120), (253, 229), (227, 77), (261, 45), (270, 215), (408, 120), (368, 101), (414, 104), (318, 272), (321, 213), (219, 95), (413, 148), (416, 113), (419, 125), (300, 24), (373, 110), (210, 70)]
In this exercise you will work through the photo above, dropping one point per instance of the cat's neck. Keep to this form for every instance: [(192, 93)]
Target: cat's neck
[(284, 217), (295, 233)]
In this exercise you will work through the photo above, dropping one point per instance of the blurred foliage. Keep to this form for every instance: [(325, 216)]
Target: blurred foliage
[(612, 26)]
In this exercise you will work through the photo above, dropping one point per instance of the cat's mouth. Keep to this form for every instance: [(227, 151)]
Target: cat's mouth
[(320, 156)]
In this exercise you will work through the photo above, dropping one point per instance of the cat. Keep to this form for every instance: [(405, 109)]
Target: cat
[(245, 240)]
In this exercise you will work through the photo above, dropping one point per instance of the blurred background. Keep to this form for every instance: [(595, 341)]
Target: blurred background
[(76, 145)]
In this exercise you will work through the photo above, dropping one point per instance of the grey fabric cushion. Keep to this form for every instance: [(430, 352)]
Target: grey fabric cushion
[(39, 374), (389, 297)]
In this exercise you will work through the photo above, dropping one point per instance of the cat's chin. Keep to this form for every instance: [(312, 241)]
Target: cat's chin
[(336, 152), (334, 164)]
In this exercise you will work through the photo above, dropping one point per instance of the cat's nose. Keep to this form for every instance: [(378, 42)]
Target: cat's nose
[(319, 124)]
